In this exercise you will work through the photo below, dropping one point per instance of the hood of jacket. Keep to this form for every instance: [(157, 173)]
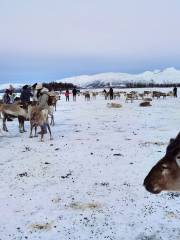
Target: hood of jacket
[(44, 90)]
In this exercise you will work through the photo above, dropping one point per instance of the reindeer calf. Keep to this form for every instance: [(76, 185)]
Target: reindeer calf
[(39, 117)]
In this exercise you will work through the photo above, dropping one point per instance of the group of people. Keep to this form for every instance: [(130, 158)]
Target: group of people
[(74, 93), (110, 93), (38, 93)]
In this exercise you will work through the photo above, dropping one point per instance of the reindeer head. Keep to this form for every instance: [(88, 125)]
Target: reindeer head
[(165, 175)]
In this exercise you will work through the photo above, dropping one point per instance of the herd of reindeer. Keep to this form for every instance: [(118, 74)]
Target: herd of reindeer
[(164, 176), (30, 111), (129, 96)]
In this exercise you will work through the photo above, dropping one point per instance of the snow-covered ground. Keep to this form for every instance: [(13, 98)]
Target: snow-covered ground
[(87, 182)]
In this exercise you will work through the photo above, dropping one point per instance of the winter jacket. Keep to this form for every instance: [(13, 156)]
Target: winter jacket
[(67, 93), (74, 91), (6, 98), (43, 99), (26, 95), (35, 95)]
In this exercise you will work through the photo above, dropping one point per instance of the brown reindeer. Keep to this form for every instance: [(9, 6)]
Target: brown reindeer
[(145, 104), (39, 117), (53, 98), (87, 96), (165, 175), (15, 111)]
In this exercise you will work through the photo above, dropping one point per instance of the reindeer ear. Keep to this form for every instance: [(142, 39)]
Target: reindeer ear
[(178, 159), (170, 145), (178, 137), (171, 141)]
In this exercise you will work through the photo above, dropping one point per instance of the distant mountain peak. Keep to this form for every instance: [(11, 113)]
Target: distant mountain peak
[(168, 75)]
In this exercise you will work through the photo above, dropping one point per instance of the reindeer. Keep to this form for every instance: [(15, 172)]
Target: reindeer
[(39, 117), (15, 111), (165, 175), (94, 94), (147, 93), (145, 104), (117, 95), (129, 96), (87, 96), (51, 114), (53, 98)]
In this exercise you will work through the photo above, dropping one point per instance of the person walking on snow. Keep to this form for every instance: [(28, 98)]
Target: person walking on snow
[(67, 95), (6, 97), (111, 94), (74, 92), (25, 94), (175, 91)]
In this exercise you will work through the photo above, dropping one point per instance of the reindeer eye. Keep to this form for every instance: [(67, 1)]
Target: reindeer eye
[(178, 157)]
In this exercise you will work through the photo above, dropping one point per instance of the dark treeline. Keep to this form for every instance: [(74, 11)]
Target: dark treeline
[(63, 86), (151, 85), (51, 86), (58, 86)]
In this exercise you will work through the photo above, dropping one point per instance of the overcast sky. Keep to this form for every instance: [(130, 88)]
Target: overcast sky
[(52, 39)]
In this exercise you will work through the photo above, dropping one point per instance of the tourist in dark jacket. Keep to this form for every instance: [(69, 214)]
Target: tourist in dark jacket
[(74, 92), (111, 93), (175, 91), (105, 94), (6, 97), (26, 94)]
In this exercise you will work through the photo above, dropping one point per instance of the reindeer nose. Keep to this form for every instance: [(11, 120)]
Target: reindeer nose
[(151, 187)]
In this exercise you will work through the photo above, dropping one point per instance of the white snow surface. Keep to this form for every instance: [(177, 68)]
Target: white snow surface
[(87, 183)]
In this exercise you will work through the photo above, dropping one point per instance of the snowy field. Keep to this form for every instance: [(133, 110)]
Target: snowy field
[(87, 182)]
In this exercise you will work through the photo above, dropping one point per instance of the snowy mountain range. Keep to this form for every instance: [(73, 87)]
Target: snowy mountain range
[(166, 76)]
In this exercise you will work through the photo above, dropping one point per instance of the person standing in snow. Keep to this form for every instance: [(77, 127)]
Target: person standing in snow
[(67, 95), (6, 97), (175, 91), (25, 95), (111, 94), (105, 94), (74, 92)]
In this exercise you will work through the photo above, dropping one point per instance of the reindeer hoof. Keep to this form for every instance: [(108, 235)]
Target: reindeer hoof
[(30, 136)]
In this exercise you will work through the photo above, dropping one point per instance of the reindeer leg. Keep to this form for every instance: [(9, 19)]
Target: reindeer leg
[(42, 134), (20, 124), (52, 120), (24, 130), (31, 128), (4, 123), (35, 131), (49, 129)]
